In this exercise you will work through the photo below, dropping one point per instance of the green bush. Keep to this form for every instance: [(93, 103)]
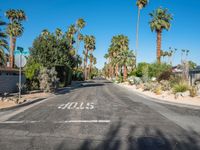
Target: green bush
[(180, 87), (141, 69), (155, 69)]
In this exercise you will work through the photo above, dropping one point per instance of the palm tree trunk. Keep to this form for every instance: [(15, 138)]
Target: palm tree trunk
[(159, 36), (116, 71), (12, 48), (137, 35), (125, 72), (85, 65)]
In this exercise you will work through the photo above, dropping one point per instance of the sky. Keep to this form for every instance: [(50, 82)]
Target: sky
[(107, 18)]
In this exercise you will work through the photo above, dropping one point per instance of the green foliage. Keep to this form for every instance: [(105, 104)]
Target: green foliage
[(192, 65), (160, 19), (180, 87), (51, 51), (120, 79), (48, 79), (32, 68), (141, 68), (156, 69)]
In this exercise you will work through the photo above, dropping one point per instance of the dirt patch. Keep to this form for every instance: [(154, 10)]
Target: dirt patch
[(11, 101)]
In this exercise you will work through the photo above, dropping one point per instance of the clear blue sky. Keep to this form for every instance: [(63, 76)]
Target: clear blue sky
[(106, 18)]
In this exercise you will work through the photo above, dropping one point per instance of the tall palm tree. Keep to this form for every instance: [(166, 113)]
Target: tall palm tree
[(14, 29), (89, 45), (140, 4), (3, 44), (125, 58), (70, 35), (160, 19), (80, 24)]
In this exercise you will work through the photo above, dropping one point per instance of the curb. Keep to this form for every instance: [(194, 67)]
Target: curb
[(23, 104), (157, 100)]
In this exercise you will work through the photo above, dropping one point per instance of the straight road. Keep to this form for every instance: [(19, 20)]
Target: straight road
[(100, 115)]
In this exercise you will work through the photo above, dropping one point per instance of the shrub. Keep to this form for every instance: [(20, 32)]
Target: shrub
[(165, 75), (48, 79), (158, 90), (175, 80), (165, 85), (155, 69), (180, 87), (193, 91), (142, 68)]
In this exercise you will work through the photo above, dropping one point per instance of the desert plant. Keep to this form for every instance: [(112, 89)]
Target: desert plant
[(158, 90), (180, 87), (165, 75), (165, 85), (48, 79), (193, 91)]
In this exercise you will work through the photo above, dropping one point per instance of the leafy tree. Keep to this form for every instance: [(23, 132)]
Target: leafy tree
[(160, 20), (14, 29), (192, 65)]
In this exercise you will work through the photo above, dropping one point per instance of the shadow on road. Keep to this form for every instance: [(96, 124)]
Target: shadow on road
[(82, 85), (147, 141)]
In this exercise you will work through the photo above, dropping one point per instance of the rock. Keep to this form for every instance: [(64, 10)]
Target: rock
[(177, 95), (184, 94)]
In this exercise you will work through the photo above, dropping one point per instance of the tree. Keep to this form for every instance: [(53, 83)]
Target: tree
[(125, 58), (192, 65), (14, 29), (140, 4), (160, 20), (58, 33), (80, 24), (89, 45), (3, 44)]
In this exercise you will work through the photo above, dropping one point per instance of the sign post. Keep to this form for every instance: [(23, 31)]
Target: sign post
[(20, 62)]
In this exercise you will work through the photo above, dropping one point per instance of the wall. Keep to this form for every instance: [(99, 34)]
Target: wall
[(8, 83)]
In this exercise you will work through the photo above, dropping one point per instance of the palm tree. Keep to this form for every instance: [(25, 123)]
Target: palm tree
[(3, 44), (140, 4), (70, 35), (160, 19), (58, 33), (45, 33), (14, 29), (89, 45), (80, 24), (125, 58)]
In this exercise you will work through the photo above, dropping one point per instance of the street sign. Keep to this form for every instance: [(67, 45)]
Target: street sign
[(21, 49), (20, 63)]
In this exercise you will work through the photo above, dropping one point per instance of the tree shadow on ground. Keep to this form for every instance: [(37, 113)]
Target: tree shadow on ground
[(159, 140), (82, 85)]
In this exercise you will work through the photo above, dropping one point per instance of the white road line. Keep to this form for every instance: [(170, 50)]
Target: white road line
[(61, 122)]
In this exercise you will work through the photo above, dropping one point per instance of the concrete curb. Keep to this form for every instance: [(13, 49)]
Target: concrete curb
[(23, 104), (157, 100)]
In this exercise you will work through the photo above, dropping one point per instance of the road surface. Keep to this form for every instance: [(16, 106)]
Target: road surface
[(100, 115)]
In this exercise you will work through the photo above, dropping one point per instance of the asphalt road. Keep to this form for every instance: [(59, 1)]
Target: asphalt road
[(100, 115)]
